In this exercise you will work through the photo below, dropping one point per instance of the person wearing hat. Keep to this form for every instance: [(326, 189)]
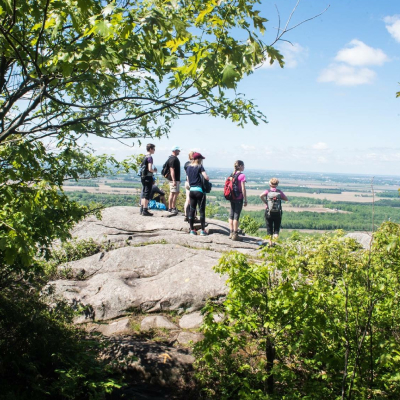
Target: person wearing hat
[(174, 177), (273, 209), (197, 196)]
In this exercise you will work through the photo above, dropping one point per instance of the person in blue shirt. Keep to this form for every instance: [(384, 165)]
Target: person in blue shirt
[(196, 196)]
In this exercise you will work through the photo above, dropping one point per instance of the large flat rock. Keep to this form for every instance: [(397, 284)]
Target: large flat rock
[(157, 265)]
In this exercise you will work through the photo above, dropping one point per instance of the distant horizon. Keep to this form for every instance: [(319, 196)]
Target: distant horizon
[(308, 172)]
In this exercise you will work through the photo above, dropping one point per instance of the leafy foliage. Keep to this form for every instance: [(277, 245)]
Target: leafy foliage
[(249, 225), (41, 355), (317, 318)]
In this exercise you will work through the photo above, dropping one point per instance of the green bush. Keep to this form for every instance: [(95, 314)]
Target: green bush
[(316, 317), (249, 225), (42, 356)]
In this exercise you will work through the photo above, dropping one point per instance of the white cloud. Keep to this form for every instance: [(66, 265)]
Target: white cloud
[(344, 75), (247, 147), (393, 26), (320, 146), (359, 54), (293, 54)]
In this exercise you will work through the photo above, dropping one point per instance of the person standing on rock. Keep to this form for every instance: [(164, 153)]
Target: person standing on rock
[(273, 209), (187, 187), (239, 199), (174, 177), (197, 196), (147, 170)]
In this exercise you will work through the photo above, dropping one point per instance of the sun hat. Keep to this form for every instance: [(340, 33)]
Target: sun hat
[(176, 148), (274, 182), (197, 156)]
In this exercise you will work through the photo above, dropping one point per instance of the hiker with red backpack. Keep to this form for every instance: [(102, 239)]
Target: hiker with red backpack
[(273, 209), (235, 192)]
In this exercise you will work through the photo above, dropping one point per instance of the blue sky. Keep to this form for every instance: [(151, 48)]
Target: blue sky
[(331, 109)]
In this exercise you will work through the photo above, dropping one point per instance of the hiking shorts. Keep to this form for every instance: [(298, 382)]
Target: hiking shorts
[(273, 222), (174, 189), (236, 209), (147, 183)]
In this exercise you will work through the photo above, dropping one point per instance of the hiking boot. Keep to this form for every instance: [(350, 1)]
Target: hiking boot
[(235, 237), (193, 232), (230, 235), (203, 233), (146, 213)]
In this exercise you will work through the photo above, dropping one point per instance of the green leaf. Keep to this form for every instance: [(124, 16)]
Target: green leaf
[(229, 76)]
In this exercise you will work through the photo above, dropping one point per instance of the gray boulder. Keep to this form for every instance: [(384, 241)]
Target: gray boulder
[(156, 322), (189, 337), (157, 265), (114, 328), (155, 363), (191, 321)]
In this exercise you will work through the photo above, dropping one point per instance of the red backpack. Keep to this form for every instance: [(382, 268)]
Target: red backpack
[(231, 188)]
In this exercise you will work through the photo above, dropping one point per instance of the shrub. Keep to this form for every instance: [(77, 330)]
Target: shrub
[(317, 317), (249, 225)]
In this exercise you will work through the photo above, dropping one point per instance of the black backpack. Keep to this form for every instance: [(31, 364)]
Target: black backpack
[(205, 184), (142, 168), (165, 172)]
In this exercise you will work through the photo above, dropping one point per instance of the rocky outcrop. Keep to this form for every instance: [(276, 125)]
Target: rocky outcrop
[(156, 265)]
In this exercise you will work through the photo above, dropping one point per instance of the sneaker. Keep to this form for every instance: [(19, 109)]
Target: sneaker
[(146, 213), (203, 233), (193, 233), (173, 211)]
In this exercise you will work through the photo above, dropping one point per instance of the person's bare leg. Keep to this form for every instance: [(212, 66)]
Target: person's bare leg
[(174, 198), (170, 200), (145, 203)]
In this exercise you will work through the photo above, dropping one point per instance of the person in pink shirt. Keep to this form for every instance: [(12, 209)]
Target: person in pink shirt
[(273, 209), (239, 200)]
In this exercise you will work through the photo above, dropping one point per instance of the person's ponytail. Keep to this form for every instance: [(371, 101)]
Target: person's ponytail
[(237, 165)]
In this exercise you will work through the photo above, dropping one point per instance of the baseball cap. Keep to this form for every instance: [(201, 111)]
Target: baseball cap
[(196, 156), (176, 148)]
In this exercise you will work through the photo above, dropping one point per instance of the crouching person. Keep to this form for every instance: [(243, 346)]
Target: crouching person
[(273, 210)]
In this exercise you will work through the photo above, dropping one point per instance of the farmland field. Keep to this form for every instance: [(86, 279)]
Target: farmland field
[(318, 202)]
